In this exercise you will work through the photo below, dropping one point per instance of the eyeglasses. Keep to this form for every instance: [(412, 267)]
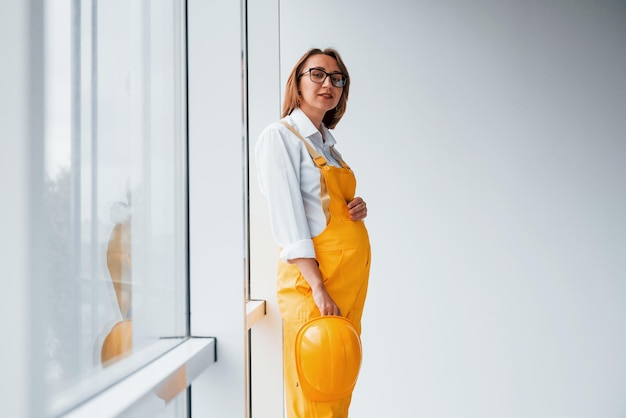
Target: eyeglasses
[(319, 76)]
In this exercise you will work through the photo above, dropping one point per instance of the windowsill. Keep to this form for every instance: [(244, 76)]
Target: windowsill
[(165, 377), (255, 311)]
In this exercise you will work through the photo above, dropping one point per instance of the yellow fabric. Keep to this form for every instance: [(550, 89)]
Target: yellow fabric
[(343, 253)]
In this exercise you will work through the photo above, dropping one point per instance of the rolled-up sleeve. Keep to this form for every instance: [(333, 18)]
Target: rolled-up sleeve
[(278, 158)]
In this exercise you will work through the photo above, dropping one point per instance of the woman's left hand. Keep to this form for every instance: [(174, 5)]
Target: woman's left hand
[(357, 209)]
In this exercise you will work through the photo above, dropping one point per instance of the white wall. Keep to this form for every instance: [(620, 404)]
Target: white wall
[(22, 255), (14, 220), (488, 139)]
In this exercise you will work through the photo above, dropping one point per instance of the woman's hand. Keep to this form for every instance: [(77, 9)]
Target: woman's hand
[(324, 302), (311, 273), (357, 209)]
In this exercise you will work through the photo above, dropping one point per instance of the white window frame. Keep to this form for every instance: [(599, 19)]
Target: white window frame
[(218, 273), (24, 254)]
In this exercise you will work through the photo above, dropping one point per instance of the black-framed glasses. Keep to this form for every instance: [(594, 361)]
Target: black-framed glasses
[(317, 75)]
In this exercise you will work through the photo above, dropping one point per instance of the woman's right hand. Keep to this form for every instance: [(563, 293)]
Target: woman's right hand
[(312, 274), (324, 302)]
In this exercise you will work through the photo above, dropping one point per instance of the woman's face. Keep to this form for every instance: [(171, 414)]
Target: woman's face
[(318, 98)]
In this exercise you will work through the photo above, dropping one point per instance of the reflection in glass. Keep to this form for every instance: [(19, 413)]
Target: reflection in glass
[(118, 341), (115, 183)]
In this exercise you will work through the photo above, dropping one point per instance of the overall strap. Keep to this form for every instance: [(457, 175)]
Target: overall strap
[(319, 160), (336, 154)]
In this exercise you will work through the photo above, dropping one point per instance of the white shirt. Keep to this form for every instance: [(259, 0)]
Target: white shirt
[(290, 181)]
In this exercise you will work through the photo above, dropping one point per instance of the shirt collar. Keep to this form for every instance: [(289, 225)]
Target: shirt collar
[(308, 130)]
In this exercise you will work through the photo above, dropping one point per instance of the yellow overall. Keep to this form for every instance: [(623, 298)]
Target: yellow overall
[(343, 253)]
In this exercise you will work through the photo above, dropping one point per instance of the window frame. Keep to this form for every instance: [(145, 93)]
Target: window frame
[(124, 386)]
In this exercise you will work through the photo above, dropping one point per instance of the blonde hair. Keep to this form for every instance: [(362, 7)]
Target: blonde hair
[(292, 92)]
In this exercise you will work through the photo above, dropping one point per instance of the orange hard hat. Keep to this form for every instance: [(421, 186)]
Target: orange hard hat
[(328, 358)]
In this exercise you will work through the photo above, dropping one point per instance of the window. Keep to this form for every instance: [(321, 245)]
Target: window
[(116, 193)]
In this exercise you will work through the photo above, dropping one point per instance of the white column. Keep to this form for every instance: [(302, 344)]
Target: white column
[(264, 106), (217, 300)]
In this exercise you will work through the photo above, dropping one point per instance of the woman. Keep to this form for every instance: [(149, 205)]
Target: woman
[(324, 257)]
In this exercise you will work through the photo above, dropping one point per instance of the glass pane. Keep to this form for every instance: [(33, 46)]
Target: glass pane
[(116, 183)]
